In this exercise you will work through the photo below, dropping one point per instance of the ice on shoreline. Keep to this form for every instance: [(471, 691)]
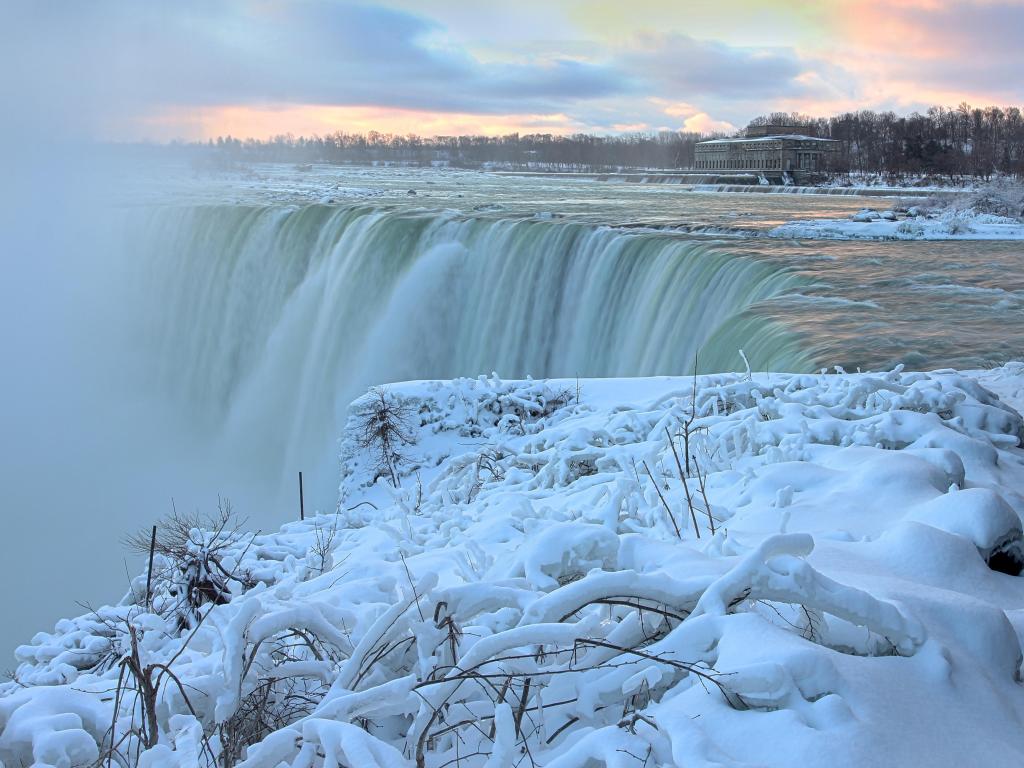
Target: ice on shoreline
[(951, 225), (993, 211)]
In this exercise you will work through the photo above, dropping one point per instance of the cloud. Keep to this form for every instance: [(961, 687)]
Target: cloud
[(123, 68), (930, 50), (702, 122), (133, 59), (686, 67), (691, 118)]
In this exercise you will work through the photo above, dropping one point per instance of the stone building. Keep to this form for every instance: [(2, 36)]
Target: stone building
[(770, 150)]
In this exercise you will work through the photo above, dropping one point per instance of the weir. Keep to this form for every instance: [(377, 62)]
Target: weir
[(263, 323), (739, 182)]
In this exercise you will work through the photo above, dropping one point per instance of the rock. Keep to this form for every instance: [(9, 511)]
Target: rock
[(866, 215)]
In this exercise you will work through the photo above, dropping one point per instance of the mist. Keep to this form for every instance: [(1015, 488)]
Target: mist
[(85, 454)]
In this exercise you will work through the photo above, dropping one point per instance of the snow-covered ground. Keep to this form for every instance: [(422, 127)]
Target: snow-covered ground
[(822, 579), (914, 181), (874, 225), (993, 211)]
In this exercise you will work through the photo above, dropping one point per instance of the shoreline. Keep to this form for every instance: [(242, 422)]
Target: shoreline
[(740, 183)]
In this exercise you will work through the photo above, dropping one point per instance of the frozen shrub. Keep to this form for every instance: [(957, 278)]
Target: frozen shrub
[(384, 429), (1001, 198), (910, 229), (957, 224), (189, 569), (998, 198)]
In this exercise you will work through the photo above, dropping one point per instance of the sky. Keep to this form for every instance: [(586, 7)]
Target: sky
[(193, 69)]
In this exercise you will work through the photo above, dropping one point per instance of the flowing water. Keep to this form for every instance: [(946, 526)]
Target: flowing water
[(243, 310), (263, 302), (264, 322)]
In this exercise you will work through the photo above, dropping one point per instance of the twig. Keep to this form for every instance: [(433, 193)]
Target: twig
[(561, 728), (522, 705), (412, 586), (682, 476), (356, 506), (665, 503), (625, 602)]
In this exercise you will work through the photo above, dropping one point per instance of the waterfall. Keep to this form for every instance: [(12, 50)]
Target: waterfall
[(261, 323)]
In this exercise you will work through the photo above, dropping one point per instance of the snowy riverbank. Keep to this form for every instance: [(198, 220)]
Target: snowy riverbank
[(880, 225), (823, 578), (991, 212)]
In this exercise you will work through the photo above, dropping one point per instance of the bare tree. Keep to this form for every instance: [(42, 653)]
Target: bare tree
[(384, 428)]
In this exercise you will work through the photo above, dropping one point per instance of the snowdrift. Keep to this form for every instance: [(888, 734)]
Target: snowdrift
[(951, 224), (730, 570), (993, 212)]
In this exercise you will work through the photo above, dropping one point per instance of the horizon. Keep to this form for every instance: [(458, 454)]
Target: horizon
[(796, 119)]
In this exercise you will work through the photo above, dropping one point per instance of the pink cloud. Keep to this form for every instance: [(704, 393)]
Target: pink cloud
[(246, 121), (702, 122)]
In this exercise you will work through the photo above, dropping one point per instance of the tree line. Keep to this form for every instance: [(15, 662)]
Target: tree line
[(577, 152), (951, 142), (944, 141)]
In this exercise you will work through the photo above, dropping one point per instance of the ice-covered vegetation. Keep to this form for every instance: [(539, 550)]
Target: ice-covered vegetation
[(1003, 197), (731, 570)]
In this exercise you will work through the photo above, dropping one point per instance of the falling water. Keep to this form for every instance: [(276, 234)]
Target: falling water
[(261, 323)]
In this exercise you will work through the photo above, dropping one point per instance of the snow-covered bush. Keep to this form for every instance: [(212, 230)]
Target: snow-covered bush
[(910, 228), (191, 564), (956, 224), (469, 408), (1002, 197)]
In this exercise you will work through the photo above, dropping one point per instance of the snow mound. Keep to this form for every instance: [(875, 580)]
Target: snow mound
[(993, 212), (727, 570), (871, 225)]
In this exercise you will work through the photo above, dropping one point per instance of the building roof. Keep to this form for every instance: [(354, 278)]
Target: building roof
[(792, 136)]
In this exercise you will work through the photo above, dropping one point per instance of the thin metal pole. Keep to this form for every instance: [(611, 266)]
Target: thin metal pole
[(149, 574), (302, 503)]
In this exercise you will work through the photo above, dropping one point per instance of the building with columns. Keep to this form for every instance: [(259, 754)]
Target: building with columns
[(769, 150)]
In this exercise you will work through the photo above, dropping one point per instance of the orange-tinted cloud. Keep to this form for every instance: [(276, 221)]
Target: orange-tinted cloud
[(702, 122), (244, 121)]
